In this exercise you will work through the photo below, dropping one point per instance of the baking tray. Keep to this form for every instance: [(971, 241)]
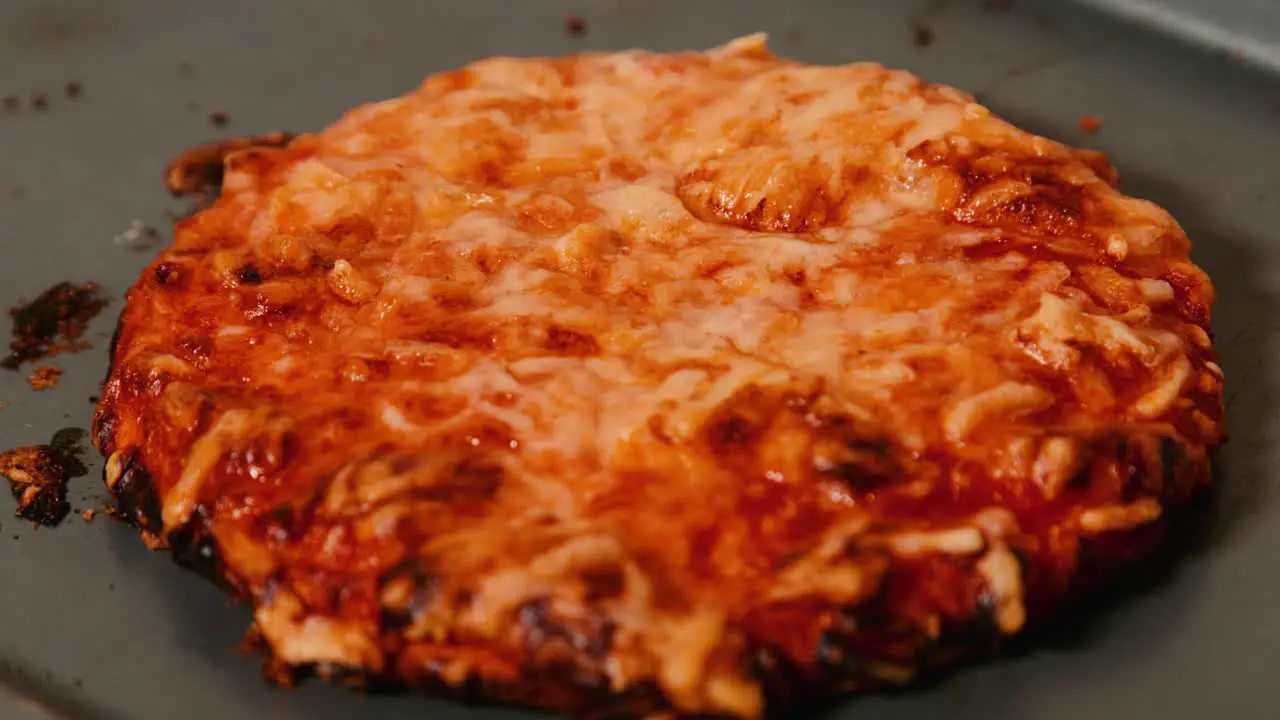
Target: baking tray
[(92, 625)]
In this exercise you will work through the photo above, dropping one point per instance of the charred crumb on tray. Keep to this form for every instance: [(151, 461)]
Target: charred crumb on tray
[(921, 34), (219, 118), (44, 377), (1090, 123), (73, 89), (40, 101), (10, 103), (54, 322), (575, 25), (38, 476)]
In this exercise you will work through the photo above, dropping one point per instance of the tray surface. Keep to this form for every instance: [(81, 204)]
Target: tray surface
[(92, 625)]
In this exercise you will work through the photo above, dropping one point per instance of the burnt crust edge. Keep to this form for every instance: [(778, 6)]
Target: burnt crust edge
[(194, 548), (788, 688)]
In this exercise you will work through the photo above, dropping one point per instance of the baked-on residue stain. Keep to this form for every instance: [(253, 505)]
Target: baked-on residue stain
[(52, 323), (38, 475)]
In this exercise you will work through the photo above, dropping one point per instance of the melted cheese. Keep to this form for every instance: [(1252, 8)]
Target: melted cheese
[(703, 318)]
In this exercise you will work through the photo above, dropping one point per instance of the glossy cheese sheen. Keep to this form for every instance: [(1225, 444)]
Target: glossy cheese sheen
[(648, 380)]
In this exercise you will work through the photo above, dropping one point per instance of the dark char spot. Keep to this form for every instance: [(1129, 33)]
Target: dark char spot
[(168, 273), (136, 500), (194, 549), (249, 275), (603, 583), (474, 478), (544, 633), (406, 591)]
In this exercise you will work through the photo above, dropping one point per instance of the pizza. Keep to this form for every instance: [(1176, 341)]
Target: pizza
[(630, 383)]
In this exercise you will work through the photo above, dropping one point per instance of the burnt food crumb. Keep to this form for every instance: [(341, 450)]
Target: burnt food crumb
[(1090, 123), (44, 377), (921, 34), (38, 476)]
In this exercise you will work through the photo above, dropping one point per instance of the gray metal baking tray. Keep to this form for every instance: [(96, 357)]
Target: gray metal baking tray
[(94, 626)]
